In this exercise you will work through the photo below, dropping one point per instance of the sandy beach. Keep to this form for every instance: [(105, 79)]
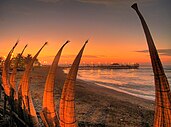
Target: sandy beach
[(95, 106)]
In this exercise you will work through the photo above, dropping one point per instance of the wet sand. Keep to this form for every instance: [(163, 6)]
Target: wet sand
[(96, 106)]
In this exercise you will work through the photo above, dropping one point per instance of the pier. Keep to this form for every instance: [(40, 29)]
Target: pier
[(106, 66)]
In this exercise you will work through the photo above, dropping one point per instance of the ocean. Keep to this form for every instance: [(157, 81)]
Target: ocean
[(137, 82)]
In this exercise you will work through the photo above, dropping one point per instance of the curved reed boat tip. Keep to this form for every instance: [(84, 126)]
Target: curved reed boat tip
[(46, 43), (135, 6), (23, 50), (15, 44), (86, 41), (26, 45), (66, 43)]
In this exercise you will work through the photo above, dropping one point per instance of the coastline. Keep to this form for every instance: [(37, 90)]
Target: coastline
[(96, 106), (114, 109)]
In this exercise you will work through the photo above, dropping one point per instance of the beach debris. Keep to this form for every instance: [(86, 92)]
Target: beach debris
[(162, 116), (6, 122), (67, 117), (14, 72), (5, 72), (48, 114), (24, 95)]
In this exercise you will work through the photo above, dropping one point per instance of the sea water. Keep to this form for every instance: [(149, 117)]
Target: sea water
[(137, 82)]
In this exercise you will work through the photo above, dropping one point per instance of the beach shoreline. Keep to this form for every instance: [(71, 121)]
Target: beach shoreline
[(97, 106)]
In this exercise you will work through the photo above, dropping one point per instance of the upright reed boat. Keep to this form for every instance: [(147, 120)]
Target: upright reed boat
[(67, 102), (5, 72), (48, 113), (24, 94), (162, 116), (14, 72)]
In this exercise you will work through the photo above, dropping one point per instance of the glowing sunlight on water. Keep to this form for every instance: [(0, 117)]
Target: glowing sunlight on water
[(137, 82)]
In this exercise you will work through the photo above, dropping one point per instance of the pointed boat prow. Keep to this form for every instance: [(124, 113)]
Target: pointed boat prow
[(15, 44), (86, 41), (135, 7), (65, 43)]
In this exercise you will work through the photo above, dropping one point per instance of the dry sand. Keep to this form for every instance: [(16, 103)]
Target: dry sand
[(96, 106)]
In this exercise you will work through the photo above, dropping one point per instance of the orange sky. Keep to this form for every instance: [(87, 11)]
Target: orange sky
[(93, 53), (113, 29)]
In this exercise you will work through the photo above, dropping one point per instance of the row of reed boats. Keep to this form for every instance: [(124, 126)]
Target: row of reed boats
[(20, 99), (21, 103)]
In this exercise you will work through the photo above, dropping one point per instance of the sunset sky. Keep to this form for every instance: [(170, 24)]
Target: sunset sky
[(112, 27)]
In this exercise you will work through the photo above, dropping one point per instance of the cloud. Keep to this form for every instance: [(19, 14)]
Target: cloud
[(164, 52), (83, 1), (100, 2), (106, 2), (49, 1), (112, 2)]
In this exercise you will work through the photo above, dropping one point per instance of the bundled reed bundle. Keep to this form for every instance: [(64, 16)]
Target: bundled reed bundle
[(24, 96), (162, 116), (48, 113), (67, 102)]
